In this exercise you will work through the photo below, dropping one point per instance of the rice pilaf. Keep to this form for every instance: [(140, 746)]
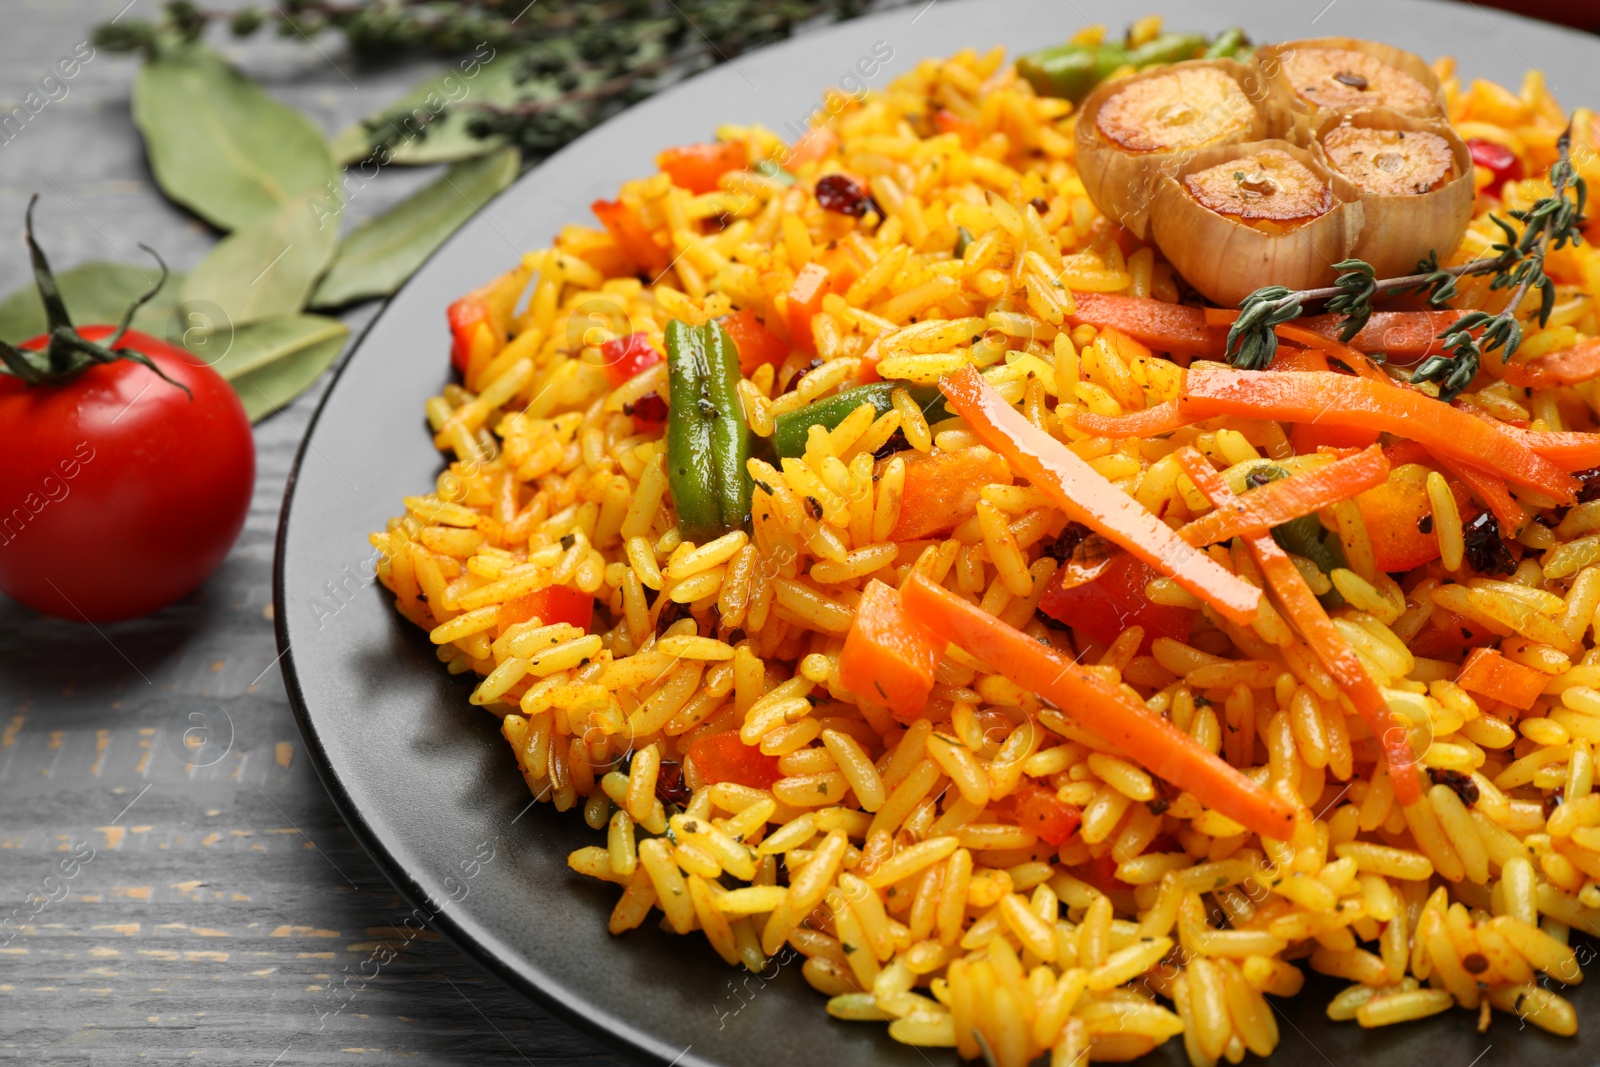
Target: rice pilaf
[(987, 873)]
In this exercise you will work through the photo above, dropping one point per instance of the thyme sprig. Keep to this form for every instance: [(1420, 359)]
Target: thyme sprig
[(578, 62), (1553, 222)]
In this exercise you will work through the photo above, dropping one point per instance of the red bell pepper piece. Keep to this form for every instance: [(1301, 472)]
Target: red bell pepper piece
[(699, 167), (950, 122), (725, 758), (631, 235), (941, 492), (805, 300), (628, 357), (470, 329), (1458, 634), (1038, 809), (756, 343), (1501, 163), (553, 604), (480, 321), (1114, 601)]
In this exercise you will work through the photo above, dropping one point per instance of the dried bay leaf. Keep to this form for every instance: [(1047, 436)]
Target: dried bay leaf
[(271, 363), (219, 144), (268, 268), (377, 258)]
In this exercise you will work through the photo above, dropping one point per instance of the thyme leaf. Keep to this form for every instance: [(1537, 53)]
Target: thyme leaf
[(1552, 222)]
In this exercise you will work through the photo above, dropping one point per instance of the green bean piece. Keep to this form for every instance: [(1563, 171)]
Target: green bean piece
[(730, 433), (1166, 48), (1069, 71), (1227, 44), (691, 469), (791, 430)]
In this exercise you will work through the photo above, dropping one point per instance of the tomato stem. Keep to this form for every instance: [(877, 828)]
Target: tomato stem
[(66, 353)]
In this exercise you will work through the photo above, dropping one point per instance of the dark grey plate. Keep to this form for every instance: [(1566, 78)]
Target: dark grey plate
[(425, 780)]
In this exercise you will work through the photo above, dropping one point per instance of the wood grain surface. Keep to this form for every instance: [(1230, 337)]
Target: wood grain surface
[(165, 899)]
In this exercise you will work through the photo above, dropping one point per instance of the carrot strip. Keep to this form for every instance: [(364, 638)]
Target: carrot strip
[(1327, 343), (1491, 493), (1099, 707), (1275, 503), (1342, 400), (1352, 357), (1164, 417), (1568, 367), (1487, 672), (1571, 451), (889, 657), (1165, 327), (1413, 334), (1302, 607), (1088, 497)]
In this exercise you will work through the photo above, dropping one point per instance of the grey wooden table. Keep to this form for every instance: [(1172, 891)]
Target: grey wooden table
[(213, 912)]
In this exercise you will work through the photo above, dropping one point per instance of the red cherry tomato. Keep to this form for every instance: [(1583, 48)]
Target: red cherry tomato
[(1498, 160), (725, 758), (1115, 601), (121, 491)]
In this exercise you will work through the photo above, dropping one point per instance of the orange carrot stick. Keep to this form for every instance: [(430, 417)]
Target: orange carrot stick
[(889, 656), (1352, 357), (1569, 450), (1413, 334), (1088, 497), (1101, 708), (1164, 327), (1158, 419), (1487, 672), (1568, 367), (1302, 607), (1278, 502), (1491, 493), (1342, 400)]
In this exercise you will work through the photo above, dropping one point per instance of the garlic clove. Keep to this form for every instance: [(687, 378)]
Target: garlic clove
[(1234, 218), (1132, 130), (1414, 176), (1305, 81)]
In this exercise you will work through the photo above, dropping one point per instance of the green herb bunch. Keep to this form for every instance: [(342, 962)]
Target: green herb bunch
[(1553, 222), (575, 63)]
